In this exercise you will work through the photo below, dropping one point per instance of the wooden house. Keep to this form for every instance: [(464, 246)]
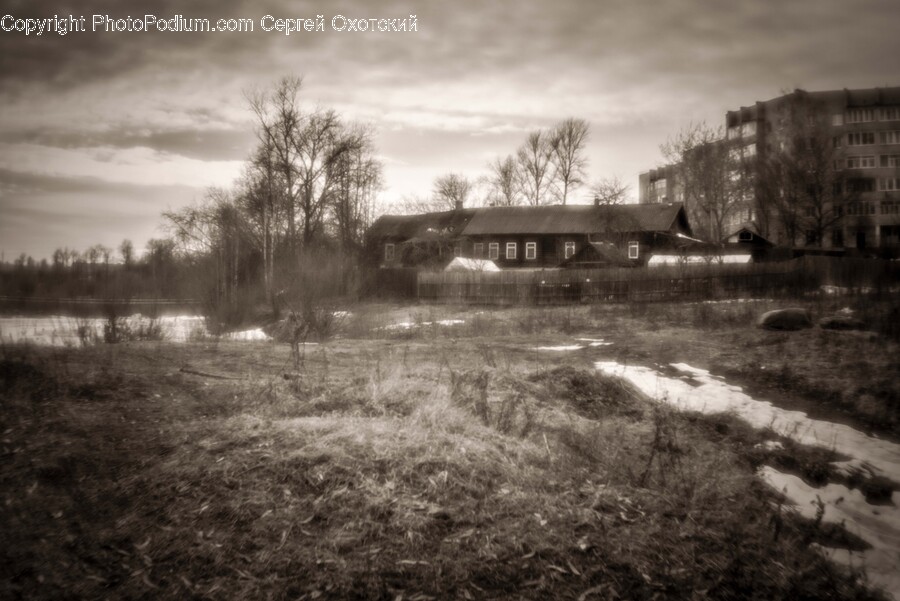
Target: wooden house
[(528, 237)]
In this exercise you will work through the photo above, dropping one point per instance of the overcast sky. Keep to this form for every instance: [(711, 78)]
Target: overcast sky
[(101, 132)]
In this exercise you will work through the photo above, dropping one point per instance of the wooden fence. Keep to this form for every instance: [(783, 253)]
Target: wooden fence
[(684, 282)]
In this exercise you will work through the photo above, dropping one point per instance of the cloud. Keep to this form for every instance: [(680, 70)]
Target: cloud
[(136, 165), (159, 110)]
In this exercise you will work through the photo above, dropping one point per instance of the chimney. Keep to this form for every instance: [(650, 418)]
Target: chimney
[(457, 205)]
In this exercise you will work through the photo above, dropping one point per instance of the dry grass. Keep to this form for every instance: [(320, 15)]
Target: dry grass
[(430, 468)]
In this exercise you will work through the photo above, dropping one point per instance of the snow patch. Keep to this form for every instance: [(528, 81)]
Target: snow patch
[(877, 525), (562, 347)]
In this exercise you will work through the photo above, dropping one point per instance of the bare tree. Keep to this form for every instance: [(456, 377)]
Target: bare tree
[(503, 182), (452, 190), (358, 178), (710, 169), (610, 191), (126, 250), (806, 188), (535, 168), (567, 142)]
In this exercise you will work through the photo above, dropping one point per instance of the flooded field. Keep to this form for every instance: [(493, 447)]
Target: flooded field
[(61, 330)]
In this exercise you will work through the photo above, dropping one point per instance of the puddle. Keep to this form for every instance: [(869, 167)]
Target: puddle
[(68, 331), (878, 525)]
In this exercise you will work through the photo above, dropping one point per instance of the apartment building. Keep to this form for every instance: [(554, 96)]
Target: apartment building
[(863, 127)]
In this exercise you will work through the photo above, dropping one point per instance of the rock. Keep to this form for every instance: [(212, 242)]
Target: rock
[(790, 319), (841, 322)]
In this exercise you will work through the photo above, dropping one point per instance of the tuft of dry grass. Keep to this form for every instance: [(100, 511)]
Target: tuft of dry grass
[(440, 468)]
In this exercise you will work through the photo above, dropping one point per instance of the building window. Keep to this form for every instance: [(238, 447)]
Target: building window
[(890, 160), (494, 251), (531, 250), (748, 129), (457, 251), (890, 137), (570, 249), (861, 185), (510, 251), (837, 120), (861, 138), (388, 252), (860, 115), (866, 162), (633, 250), (745, 236), (890, 113), (889, 184), (478, 250)]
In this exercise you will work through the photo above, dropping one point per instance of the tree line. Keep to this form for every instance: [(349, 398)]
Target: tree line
[(298, 213), (100, 272), (549, 167)]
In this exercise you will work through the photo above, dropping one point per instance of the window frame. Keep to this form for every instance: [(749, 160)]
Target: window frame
[(478, 250), (515, 251), (636, 247), (493, 251), (569, 244), (531, 251), (390, 252)]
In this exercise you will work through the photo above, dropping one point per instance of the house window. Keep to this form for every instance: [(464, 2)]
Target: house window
[(745, 236), (479, 250), (837, 237), (633, 250), (510, 251), (388, 252), (494, 251), (890, 113), (531, 250), (861, 138), (457, 251), (865, 162), (890, 137), (570, 249), (890, 160)]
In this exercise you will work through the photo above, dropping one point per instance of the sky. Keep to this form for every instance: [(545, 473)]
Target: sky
[(102, 131)]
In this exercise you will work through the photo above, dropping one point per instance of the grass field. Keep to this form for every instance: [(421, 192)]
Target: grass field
[(425, 461)]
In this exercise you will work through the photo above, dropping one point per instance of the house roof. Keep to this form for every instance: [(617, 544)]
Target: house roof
[(574, 219), (424, 225)]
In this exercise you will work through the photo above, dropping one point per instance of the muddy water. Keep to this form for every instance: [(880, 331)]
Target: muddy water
[(697, 390)]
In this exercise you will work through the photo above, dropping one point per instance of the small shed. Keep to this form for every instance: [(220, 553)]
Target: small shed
[(468, 264)]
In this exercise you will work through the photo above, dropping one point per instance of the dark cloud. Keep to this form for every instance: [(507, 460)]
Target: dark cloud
[(216, 145)]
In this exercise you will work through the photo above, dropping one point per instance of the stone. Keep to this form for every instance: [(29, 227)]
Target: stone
[(790, 319)]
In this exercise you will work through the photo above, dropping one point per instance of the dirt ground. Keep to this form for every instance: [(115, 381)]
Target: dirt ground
[(435, 461)]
